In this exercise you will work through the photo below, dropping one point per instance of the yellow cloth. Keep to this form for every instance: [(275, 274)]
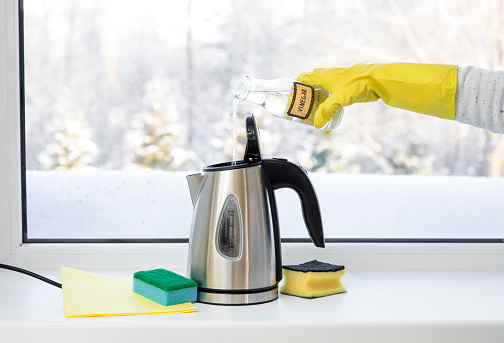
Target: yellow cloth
[(88, 295)]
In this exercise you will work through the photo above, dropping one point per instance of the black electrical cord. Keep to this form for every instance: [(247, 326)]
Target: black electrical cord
[(32, 274)]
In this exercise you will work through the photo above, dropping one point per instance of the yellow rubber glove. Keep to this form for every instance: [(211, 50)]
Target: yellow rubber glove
[(423, 88)]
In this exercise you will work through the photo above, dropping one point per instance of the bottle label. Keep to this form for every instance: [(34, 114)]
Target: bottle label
[(302, 101)]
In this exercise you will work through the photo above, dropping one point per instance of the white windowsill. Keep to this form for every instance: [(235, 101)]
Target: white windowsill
[(445, 256), (396, 293), (422, 305)]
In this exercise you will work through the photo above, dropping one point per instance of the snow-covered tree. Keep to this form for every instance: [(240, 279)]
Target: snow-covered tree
[(156, 135), (72, 146)]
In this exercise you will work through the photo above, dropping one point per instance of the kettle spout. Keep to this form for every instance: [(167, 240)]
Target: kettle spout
[(195, 182)]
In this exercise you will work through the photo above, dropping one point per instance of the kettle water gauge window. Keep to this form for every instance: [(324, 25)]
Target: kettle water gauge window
[(229, 232), (121, 99)]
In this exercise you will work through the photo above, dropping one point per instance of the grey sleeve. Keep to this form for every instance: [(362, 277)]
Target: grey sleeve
[(479, 100)]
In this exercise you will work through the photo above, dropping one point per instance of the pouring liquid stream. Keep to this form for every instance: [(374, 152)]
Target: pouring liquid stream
[(235, 106)]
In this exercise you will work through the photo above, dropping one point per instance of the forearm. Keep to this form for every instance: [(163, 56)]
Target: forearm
[(479, 100)]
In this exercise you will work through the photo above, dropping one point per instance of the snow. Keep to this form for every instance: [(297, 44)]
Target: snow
[(155, 204)]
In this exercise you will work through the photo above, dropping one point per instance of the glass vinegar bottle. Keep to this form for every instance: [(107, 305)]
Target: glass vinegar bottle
[(287, 99)]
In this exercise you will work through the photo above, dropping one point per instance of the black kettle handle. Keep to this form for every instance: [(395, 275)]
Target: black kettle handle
[(284, 174)]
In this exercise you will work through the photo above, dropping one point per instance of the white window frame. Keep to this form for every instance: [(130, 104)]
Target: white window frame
[(132, 255)]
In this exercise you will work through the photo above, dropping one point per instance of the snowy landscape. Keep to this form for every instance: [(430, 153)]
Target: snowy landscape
[(124, 98)]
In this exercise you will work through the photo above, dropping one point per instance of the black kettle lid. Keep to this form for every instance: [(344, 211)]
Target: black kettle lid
[(252, 155), (253, 147)]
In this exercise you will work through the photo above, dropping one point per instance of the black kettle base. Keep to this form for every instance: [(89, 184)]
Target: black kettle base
[(234, 297)]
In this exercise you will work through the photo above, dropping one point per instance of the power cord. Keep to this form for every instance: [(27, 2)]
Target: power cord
[(32, 274)]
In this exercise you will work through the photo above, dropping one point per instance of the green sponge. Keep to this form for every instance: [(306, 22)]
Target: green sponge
[(165, 287)]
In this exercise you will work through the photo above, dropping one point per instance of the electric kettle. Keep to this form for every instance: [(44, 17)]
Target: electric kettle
[(234, 245)]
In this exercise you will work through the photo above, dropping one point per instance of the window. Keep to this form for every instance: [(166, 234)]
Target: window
[(122, 99)]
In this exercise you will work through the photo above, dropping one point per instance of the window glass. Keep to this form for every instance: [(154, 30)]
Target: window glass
[(124, 98)]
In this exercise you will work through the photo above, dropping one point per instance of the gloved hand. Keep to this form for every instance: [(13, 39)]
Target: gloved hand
[(423, 88)]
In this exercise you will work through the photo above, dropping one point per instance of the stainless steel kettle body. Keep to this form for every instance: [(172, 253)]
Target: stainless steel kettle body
[(234, 244), (232, 253)]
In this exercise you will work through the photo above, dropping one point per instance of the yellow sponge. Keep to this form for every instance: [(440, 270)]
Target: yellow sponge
[(313, 279)]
